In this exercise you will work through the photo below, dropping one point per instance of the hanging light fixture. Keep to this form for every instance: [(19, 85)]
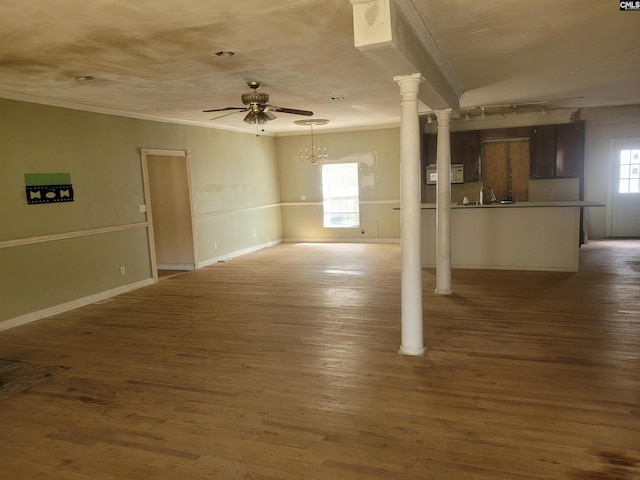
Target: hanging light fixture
[(314, 154)]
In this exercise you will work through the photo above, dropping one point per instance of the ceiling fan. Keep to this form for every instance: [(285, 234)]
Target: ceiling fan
[(257, 107)]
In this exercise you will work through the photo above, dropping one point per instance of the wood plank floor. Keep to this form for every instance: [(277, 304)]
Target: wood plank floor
[(283, 364)]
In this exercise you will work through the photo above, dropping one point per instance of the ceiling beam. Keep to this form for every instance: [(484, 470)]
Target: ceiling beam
[(392, 33)]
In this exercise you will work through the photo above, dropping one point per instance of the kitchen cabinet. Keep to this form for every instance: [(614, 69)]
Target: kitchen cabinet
[(465, 150), (543, 160), (429, 149), (457, 148), (558, 151), (569, 149), (471, 156)]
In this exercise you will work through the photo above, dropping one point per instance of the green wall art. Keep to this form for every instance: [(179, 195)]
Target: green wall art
[(48, 187)]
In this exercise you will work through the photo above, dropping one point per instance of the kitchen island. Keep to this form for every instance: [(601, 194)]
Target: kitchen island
[(541, 236)]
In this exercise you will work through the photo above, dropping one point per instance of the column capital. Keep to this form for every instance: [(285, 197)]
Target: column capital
[(443, 116), (405, 78)]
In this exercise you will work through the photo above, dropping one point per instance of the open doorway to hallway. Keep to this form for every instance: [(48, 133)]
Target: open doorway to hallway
[(169, 210)]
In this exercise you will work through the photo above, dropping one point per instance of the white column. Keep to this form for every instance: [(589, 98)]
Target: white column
[(443, 205), (410, 217)]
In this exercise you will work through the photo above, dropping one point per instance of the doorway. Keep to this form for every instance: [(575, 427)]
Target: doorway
[(167, 181), (625, 199), (505, 168)]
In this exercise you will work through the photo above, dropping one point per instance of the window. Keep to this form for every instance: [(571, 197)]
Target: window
[(629, 171), (341, 195)]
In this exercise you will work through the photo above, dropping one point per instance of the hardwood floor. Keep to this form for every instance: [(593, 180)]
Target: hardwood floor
[(283, 364)]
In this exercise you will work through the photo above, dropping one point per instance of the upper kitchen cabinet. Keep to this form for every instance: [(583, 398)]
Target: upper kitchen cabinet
[(543, 158), (471, 156), (465, 150), (429, 149), (558, 151), (569, 149)]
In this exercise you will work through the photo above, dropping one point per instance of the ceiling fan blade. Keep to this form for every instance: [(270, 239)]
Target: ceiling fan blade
[(290, 110), (225, 108), (225, 115)]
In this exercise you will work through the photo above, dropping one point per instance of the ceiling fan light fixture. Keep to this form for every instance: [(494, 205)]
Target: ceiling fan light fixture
[(262, 118), (257, 107), (255, 98), (257, 117)]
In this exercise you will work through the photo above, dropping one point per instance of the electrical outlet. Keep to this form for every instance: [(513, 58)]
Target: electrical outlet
[(215, 245), (362, 232), (123, 271), (255, 234)]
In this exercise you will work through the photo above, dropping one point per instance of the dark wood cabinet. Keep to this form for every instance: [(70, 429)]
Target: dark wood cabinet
[(506, 133), (471, 156), (457, 148), (557, 151), (465, 150), (543, 158), (429, 149), (569, 149)]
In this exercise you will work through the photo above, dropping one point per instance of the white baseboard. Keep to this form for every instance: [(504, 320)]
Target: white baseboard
[(80, 302), (176, 266), (98, 297), (237, 253), (340, 240)]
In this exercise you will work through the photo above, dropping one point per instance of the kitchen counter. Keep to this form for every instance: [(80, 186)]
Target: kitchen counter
[(570, 203), (541, 236)]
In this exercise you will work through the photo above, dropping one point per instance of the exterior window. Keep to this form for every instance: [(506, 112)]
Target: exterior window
[(629, 171), (341, 195)]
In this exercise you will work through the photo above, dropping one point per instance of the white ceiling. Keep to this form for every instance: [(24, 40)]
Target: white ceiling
[(155, 58)]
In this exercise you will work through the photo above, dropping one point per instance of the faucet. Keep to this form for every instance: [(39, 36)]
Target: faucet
[(492, 197)]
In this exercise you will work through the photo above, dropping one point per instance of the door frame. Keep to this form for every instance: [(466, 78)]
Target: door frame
[(615, 145), (186, 154)]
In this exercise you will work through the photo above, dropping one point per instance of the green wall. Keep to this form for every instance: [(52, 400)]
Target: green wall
[(378, 155), (248, 192), (52, 254)]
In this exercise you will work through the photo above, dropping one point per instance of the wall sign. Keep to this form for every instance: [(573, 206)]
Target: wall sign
[(48, 187)]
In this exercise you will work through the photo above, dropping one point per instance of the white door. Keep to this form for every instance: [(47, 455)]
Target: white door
[(625, 202)]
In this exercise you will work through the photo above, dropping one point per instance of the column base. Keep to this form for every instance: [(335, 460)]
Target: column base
[(415, 352), (444, 292)]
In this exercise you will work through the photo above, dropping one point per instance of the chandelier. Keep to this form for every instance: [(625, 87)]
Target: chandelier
[(314, 154)]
